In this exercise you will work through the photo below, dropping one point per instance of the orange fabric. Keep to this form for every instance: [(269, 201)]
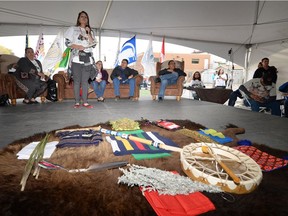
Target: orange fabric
[(179, 205)]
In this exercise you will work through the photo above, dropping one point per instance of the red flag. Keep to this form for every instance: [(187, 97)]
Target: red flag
[(162, 56)]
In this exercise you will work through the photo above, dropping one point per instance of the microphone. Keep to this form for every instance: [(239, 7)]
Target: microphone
[(86, 29)]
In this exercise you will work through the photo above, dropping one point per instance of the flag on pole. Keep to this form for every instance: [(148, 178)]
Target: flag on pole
[(128, 51), (27, 41), (162, 55), (148, 61), (65, 58), (54, 55), (40, 52), (63, 64)]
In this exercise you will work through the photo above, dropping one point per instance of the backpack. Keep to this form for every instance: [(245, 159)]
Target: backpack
[(4, 100), (51, 90)]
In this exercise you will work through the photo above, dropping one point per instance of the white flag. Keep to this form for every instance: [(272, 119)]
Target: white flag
[(39, 51), (148, 61), (54, 55)]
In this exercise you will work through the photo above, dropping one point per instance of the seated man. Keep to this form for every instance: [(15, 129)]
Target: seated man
[(123, 75), (168, 76), (30, 77), (261, 92), (263, 67)]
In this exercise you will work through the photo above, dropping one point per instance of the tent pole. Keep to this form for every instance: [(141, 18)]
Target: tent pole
[(99, 47), (247, 60)]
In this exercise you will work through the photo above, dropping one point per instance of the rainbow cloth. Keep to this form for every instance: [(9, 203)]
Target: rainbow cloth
[(122, 146)]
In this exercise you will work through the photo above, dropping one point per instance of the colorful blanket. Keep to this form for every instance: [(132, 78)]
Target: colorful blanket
[(266, 161), (121, 146)]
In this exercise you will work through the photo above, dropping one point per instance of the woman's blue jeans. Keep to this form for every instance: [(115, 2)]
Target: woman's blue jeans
[(99, 88)]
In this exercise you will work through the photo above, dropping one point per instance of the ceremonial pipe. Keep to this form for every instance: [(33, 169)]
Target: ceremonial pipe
[(138, 139)]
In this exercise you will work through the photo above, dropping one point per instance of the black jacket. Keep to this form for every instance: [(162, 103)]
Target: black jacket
[(271, 69), (165, 71), (127, 71)]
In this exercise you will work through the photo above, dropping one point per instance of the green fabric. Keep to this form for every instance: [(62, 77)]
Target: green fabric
[(150, 156), (145, 156)]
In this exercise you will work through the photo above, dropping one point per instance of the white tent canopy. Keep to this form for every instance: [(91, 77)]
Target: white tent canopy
[(211, 26)]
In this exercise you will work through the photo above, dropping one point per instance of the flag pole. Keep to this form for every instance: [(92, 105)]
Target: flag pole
[(162, 55), (118, 50)]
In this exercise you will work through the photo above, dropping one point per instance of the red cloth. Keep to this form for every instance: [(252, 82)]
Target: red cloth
[(266, 161), (179, 205)]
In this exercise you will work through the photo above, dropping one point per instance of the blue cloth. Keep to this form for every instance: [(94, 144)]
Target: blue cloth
[(244, 142), (117, 82), (284, 87), (99, 88), (167, 79), (217, 139), (286, 107)]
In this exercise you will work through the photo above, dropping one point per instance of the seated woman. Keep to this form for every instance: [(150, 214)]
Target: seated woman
[(30, 77), (99, 84), (196, 83)]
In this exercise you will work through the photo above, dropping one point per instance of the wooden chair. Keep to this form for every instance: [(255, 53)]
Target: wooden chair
[(171, 90)]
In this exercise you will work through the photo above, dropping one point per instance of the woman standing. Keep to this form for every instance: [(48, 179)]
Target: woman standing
[(100, 82), (81, 40), (30, 77), (221, 79)]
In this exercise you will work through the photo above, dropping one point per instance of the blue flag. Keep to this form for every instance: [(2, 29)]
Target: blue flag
[(128, 51)]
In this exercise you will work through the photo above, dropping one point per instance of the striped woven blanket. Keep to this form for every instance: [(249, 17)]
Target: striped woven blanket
[(122, 146)]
